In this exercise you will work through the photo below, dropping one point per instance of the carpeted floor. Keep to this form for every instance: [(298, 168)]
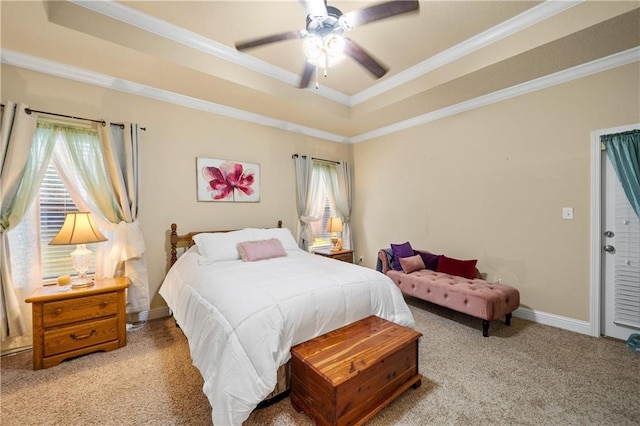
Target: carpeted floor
[(526, 374)]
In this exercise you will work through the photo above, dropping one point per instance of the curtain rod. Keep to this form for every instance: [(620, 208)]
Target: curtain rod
[(104, 123), (314, 158)]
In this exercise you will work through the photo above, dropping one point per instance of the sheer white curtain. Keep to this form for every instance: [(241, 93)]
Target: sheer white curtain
[(344, 202), (337, 182), (315, 180), (78, 187), (100, 170), (25, 155), (326, 172)]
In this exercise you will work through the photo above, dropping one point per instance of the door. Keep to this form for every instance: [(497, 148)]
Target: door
[(620, 258)]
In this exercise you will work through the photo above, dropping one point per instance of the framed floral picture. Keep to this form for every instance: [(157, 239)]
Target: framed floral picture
[(224, 180)]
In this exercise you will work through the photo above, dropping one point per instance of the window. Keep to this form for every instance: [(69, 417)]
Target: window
[(322, 238), (54, 201), (321, 172)]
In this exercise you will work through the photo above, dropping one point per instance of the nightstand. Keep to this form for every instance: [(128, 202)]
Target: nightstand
[(344, 255), (71, 322)]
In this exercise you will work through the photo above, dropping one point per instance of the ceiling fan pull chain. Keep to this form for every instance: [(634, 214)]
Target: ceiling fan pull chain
[(326, 64), (317, 84)]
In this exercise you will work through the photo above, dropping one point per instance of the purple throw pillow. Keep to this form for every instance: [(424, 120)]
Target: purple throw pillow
[(400, 250), (430, 260)]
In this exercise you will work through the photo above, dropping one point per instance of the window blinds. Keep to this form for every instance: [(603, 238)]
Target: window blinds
[(627, 262), (55, 202)]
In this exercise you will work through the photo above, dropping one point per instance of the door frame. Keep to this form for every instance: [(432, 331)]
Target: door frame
[(596, 226)]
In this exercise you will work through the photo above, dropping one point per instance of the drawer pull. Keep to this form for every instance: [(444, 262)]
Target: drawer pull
[(104, 304), (84, 336), (58, 311)]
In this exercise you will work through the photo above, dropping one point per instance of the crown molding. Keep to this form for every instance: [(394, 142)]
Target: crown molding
[(509, 27), (145, 22), (599, 65), (45, 66), (120, 12)]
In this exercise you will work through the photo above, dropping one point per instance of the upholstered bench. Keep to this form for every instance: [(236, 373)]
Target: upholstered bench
[(475, 297)]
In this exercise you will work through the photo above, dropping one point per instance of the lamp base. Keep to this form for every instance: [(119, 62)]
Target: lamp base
[(334, 243), (81, 282)]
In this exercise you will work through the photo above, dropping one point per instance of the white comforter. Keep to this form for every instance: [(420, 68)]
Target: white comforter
[(242, 318)]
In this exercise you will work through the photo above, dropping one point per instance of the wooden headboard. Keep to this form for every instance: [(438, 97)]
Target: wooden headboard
[(185, 241)]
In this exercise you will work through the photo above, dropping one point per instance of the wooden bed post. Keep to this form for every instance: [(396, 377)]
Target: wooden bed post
[(174, 243)]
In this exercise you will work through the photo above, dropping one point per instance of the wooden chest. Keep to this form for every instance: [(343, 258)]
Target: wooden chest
[(346, 376)]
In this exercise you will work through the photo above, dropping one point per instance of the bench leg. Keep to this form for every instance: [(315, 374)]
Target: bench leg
[(507, 319), (485, 328)]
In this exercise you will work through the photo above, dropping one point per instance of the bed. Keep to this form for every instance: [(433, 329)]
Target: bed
[(241, 317)]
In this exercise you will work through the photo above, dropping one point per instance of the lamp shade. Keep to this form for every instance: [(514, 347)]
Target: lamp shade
[(78, 228), (334, 224)]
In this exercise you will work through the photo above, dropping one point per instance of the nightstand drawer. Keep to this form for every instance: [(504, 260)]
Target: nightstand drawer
[(79, 309), (345, 257), (66, 339), (342, 255)]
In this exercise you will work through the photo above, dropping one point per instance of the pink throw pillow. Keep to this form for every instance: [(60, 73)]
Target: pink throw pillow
[(461, 268), (412, 263), (259, 250)]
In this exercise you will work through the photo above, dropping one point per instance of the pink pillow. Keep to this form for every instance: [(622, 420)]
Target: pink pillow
[(412, 263), (258, 250), (461, 268)]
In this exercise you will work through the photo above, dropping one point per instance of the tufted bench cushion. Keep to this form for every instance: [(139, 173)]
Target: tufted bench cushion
[(475, 297)]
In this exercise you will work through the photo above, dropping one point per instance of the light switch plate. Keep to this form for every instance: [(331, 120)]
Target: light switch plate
[(567, 213)]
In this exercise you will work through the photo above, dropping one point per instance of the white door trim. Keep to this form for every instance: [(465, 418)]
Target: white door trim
[(596, 225)]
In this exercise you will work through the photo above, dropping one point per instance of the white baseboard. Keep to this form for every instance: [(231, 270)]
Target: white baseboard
[(545, 318), (148, 315), (565, 323)]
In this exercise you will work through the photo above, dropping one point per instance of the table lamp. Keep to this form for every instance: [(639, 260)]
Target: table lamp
[(334, 225), (78, 228)]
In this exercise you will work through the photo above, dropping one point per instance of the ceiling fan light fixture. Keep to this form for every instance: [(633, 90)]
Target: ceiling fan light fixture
[(334, 45), (324, 51), (312, 46)]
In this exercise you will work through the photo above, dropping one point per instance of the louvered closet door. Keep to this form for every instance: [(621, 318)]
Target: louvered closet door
[(621, 259)]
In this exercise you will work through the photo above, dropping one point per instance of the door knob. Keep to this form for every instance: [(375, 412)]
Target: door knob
[(609, 234), (609, 249)]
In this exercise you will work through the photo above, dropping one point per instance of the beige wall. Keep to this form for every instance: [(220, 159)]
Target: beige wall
[(487, 184), (175, 136), (490, 184)]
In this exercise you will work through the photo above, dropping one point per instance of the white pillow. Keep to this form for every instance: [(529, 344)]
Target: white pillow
[(283, 234), (221, 245)]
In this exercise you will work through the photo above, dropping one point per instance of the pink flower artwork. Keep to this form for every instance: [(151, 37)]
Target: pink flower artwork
[(221, 180)]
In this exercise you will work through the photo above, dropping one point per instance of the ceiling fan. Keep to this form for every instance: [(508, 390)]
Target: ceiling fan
[(323, 41)]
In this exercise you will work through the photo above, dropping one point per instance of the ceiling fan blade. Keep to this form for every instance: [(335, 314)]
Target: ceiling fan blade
[(316, 9), (306, 75), (289, 35), (379, 11), (366, 60)]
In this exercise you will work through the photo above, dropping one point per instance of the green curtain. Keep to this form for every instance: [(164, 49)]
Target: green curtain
[(623, 150), (86, 152), (26, 153)]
